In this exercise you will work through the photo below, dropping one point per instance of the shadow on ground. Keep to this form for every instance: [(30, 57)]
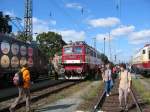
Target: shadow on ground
[(54, 107)]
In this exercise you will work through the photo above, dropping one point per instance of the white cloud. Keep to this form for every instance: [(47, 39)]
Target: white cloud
[(40, 25), (74, 5), (72, 35), (118, 51), (37, 21), (104, 22), (10, 13), (100, 37), (136, 42), (140, 37), (123, 30)]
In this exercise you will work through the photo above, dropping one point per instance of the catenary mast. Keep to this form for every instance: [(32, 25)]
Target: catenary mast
[(28, 20)]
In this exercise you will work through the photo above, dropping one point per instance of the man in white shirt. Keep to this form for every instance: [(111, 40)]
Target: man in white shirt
[(124, 85)]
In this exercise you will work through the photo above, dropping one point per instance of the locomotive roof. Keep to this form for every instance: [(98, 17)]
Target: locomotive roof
[(140, 50), (80, 43), (146, 45)]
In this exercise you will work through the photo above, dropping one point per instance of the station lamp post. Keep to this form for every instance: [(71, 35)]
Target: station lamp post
[(104, 45)]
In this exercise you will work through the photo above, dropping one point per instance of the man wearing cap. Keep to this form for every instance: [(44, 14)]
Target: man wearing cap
[(23, 90)]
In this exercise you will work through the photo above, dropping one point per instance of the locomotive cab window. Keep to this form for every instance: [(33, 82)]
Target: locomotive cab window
[(77, 50), (143, 51), (68, 50)]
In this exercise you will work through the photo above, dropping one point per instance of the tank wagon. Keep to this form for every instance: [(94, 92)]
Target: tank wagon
[(14, 53), (79, 60), (141, 60)]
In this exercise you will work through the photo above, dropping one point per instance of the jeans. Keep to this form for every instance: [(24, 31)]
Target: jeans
[(107, 86), (111, 84)]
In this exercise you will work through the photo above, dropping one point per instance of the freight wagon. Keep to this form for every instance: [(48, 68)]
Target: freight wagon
[(14, 53)]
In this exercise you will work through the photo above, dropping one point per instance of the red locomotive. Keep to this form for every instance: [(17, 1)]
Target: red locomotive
[(79, 59)]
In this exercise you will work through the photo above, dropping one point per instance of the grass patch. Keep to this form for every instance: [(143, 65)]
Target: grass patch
[(90, 97), (91, 94), (145, 94)]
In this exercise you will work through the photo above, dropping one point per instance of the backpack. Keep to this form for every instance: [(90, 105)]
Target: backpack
[(18, 78)]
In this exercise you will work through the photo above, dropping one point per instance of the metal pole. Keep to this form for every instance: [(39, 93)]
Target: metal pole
[(104, 45), (109, 47)]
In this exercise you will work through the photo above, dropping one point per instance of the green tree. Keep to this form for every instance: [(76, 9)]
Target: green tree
[(4, 23), (21, 36), (50, 43)]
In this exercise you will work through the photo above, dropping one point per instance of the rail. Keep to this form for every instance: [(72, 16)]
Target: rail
[(135, 101), (100, 102), (42, 93)]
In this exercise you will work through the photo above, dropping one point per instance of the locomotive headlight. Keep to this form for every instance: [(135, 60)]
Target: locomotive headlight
[(65, 61)]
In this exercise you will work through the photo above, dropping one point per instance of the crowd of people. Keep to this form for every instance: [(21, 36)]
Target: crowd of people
[(109, 74)]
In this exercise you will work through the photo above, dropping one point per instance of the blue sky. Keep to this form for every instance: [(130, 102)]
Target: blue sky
[(129, 24)]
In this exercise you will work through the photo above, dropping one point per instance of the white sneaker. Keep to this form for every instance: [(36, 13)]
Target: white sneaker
[(107, 95)]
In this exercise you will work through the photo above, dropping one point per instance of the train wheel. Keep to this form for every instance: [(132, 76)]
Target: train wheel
[(145, 74), (91, 75)]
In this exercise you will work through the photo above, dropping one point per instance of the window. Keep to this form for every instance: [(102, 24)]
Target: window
[(77, 50), (91, 52), (143, 51), (94, 54), (68, 50), (87, 51)]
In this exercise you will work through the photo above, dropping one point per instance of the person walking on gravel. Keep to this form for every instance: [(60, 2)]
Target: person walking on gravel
[(24, 89), (107, 79), (124, 85)]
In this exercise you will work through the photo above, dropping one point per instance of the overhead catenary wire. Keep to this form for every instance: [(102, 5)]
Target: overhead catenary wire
[(77, 22), (118, 6), (64, 12)]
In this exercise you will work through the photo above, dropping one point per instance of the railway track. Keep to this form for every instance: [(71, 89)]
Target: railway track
[(111, 103), (4, 106)]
